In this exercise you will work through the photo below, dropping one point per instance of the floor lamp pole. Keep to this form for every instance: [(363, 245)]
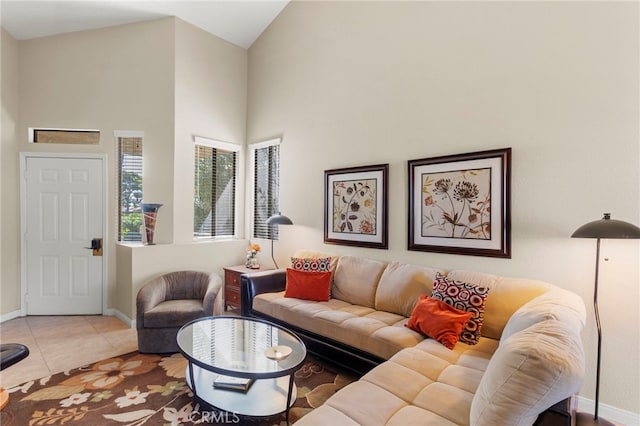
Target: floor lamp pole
[(272, 257), (595, 309), (603, 228), (584, 419)]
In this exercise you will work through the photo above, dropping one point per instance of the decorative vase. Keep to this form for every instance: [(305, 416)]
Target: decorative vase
[(252, 256), (150, 212), (254, 263)]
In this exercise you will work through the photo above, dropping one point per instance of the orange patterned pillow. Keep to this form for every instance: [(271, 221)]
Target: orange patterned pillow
[(438, 320), (308, 285)]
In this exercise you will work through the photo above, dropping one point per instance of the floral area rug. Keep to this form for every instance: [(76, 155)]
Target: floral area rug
[(137, 389)]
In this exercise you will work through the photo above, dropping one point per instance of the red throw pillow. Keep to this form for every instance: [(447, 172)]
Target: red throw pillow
[(308, 285), (438, 320)]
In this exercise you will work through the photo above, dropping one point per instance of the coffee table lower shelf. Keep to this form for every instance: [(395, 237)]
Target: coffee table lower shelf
[(265, 397)]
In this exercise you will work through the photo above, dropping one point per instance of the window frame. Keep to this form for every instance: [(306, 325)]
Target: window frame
[(225, 146), (252, 187), (118, 135)]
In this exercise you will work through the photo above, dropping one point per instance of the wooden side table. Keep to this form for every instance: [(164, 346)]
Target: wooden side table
[(232, 283)]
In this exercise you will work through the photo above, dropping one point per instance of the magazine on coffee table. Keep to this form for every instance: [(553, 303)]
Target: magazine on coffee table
[(232, 383)]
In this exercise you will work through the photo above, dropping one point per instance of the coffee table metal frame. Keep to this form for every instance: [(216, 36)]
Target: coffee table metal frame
[(264, 381)]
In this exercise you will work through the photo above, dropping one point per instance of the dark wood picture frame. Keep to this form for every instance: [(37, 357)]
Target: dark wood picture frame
[(356, 206), (461, 204)]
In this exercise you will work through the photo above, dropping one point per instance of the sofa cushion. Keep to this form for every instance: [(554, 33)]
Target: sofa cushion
[(308, 285), (438, 320), (466, 297), (174, 313), (507, 296), (380, 333), (400, 286), (423, 385), (328, 416), (531, 370), (371, 399), (356, 280)]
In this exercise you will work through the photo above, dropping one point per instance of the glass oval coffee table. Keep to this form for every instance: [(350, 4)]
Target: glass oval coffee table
[(242, 365)]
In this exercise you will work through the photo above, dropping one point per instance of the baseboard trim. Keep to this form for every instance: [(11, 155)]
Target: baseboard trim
[(613, 414), (122, 317), (110, 312), (10, 315)]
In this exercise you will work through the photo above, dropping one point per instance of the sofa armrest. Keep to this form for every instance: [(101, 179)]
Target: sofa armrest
[(263, 282)]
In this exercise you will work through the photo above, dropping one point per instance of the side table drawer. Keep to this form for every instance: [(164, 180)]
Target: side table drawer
[(232, 289), (232, 276), (232, 297)]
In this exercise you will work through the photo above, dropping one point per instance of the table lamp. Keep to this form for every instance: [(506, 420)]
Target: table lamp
[(598, 229), (277, 219)]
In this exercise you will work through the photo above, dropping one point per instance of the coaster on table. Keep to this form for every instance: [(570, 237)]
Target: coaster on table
[(277, 352)]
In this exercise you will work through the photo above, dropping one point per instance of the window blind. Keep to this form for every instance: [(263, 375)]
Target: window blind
[(214, 192), (129, 176), (266, 190)]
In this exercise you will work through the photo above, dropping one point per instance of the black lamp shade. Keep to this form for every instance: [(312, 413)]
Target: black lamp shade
[(278, 219), (607, 228)]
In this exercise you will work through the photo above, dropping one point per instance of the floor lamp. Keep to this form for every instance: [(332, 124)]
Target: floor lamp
[(277, 219), (598, 229)]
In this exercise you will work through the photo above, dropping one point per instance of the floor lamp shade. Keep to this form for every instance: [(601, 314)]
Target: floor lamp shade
[(607, 228), (598, 229), (277, 219)]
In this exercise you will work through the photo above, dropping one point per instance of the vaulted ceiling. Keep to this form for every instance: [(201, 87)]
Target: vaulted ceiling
[(237, 21)]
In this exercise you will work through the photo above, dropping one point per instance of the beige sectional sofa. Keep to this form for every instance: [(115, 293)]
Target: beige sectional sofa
[(530, 355)]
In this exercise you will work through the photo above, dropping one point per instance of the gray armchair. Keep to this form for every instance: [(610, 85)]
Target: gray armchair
[(167, 302)]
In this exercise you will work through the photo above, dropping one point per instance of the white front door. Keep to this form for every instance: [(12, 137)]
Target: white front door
[(64, 211)]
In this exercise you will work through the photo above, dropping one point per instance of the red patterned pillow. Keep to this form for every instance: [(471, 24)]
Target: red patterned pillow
[(322, 264), (464, 296), (438, 320), (308, 285)]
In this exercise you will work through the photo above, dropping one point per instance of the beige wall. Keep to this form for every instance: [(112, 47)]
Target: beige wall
[(359, 83), (9, 273), (165, 78), (211, 102), (94, 80)]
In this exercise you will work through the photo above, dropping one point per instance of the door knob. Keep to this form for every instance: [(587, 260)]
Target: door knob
[(96, 246)]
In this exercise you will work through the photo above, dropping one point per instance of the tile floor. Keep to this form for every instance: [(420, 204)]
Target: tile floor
[(59, 343)]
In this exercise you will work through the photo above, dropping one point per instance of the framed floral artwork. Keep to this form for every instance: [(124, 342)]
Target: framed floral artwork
[(355, 206), (460, 204)]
